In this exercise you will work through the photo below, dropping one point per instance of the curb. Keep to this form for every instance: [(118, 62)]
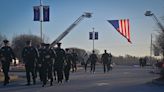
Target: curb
[(158, 82)]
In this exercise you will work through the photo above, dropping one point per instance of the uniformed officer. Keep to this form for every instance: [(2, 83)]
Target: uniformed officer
[(74, 61), (109, 65), (40, 60), (106, 60), (59, 62), (7, 55), (67, 66), (30, 55), (47, 64), (93, 59)]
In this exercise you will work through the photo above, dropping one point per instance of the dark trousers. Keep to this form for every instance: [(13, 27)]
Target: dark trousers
[(55, 72), (106, 67), (60, 73), (5, 68), (46, 73), (66, 72), (40, 73), (30, 69), (74, 67), (93, 67), (50, 74)]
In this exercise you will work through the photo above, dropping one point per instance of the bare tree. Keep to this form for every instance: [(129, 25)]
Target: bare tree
[(2, 37), (18, 42), (160, 42)]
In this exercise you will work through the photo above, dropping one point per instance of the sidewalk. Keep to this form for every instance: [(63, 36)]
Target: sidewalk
[(158, 81)]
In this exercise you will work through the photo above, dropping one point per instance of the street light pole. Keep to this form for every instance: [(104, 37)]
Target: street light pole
[(41, 20), (93, 37), (151, 47)]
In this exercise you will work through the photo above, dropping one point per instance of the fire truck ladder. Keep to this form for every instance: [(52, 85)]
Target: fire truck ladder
[(60, 37)]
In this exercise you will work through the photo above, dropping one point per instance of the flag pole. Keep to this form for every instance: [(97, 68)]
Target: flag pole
[(41, 20)]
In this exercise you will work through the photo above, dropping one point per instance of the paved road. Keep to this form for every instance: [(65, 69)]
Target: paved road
[(120, 79)]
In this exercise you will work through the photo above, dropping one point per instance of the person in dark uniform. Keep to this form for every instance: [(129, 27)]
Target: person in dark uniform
[(74, 61), (40, 59), (59, 62), (109, 64), (105, 58), (144, 61), (141, 62), (7, 55), (67, 66), (47, 64), (93, 59), (29, 56)]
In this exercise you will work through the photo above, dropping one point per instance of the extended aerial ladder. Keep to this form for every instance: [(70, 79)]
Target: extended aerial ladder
[(60, 37), (159, 24)]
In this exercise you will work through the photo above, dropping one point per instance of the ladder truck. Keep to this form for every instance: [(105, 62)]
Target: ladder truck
[(68, 30)]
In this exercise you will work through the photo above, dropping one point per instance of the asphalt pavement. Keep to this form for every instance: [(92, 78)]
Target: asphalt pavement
[(120, 79)]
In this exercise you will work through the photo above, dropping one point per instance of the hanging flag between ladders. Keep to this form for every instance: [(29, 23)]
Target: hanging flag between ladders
[(122, 26)]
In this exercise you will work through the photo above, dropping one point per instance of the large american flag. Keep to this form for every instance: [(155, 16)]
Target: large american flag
[(122, 26)]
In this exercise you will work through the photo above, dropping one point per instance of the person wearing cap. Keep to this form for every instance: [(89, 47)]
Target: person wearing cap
[(59, 62), (29, 56), (93, 59), (48, 56), (67, 66), (7, 55)]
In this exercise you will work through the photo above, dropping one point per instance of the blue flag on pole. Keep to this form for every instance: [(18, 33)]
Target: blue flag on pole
[(96, 35), (93, 35), (36, 10), (90, 35), (46, 13)]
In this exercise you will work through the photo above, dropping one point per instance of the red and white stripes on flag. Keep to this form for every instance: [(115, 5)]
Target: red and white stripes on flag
[(122, 26)]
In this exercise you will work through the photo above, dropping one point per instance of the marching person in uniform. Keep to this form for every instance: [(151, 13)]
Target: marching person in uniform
[(59, 62), (40, 59), (67, 67), (6, 56), (48, 56), (74, 61), (109, 64), (105, 58), (93, 59), (30, 55)]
